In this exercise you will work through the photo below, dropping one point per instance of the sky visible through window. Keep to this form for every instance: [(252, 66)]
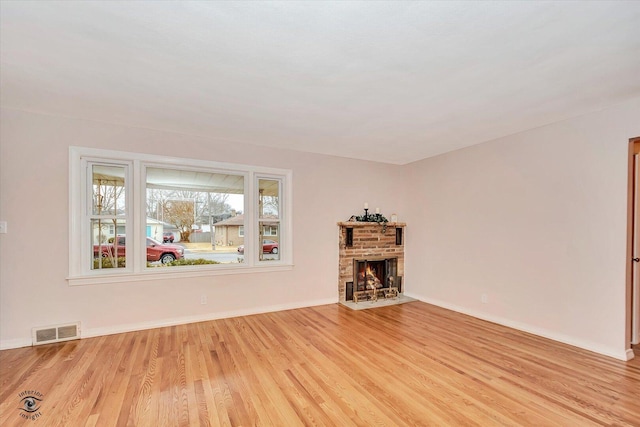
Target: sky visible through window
[(236, 201)]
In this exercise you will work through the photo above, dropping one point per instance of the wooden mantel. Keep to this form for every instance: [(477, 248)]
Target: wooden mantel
[(365, 224)]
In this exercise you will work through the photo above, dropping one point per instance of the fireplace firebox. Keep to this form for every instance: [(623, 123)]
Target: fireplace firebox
[(375, 274), (373, 277)]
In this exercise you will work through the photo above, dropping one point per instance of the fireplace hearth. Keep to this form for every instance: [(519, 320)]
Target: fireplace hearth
[(371, 260)]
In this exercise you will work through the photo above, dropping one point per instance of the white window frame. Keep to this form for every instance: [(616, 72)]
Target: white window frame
[(241, 231), (80, 252)]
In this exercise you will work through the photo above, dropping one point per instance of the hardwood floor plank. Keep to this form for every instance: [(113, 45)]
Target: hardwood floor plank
[(412, 364)]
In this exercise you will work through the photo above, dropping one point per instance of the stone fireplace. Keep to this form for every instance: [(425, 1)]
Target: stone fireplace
[(371, 258)]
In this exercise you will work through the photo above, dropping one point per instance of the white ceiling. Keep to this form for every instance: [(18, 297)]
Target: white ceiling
[(384, 81)]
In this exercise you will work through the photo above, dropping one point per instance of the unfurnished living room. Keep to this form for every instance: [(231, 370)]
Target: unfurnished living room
[(331, 213)]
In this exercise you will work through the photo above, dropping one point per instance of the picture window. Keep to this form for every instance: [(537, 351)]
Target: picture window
[(134, 215)]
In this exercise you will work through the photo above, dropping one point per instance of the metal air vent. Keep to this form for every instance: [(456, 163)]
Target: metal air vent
[(56, 333)]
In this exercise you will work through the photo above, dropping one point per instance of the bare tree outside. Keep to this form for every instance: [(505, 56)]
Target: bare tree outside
[(270, 205), (180, 213), (184, 209)]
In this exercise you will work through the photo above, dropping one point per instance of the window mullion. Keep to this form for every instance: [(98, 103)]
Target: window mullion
[(250, 207), (138, 213)]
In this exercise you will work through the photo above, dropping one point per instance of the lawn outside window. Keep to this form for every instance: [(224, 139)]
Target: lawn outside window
[(221, 217)]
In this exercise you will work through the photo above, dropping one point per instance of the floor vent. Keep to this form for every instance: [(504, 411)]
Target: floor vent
[(57, 333)]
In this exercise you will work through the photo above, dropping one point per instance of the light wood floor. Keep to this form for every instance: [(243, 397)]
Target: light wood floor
[(410, 364)]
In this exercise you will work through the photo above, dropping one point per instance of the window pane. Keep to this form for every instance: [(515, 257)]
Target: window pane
[(193, 217), (108, 190), (270, 250), (108, 242), (270, 230), (268, 219), (269, 200)]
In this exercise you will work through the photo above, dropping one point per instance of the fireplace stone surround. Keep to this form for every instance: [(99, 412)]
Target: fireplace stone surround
[(374, 243)]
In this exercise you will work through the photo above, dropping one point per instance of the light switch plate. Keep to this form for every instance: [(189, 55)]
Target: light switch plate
[(3, 227)]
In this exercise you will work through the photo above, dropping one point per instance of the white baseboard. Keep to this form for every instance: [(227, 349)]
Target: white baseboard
[(565, 339), (110, 330), (118, 329), (17, 343)]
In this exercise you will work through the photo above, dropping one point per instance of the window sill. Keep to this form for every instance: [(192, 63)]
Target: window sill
[(174, 274)]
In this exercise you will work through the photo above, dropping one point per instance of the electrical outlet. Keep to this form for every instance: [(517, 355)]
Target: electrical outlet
[(3, 227), (203, 299), (484, 298)]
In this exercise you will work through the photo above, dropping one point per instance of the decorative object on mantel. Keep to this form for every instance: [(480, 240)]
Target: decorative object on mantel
[(367, 217)]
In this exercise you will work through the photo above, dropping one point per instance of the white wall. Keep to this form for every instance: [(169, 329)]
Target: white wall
[(34, 185), (537, 222)]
